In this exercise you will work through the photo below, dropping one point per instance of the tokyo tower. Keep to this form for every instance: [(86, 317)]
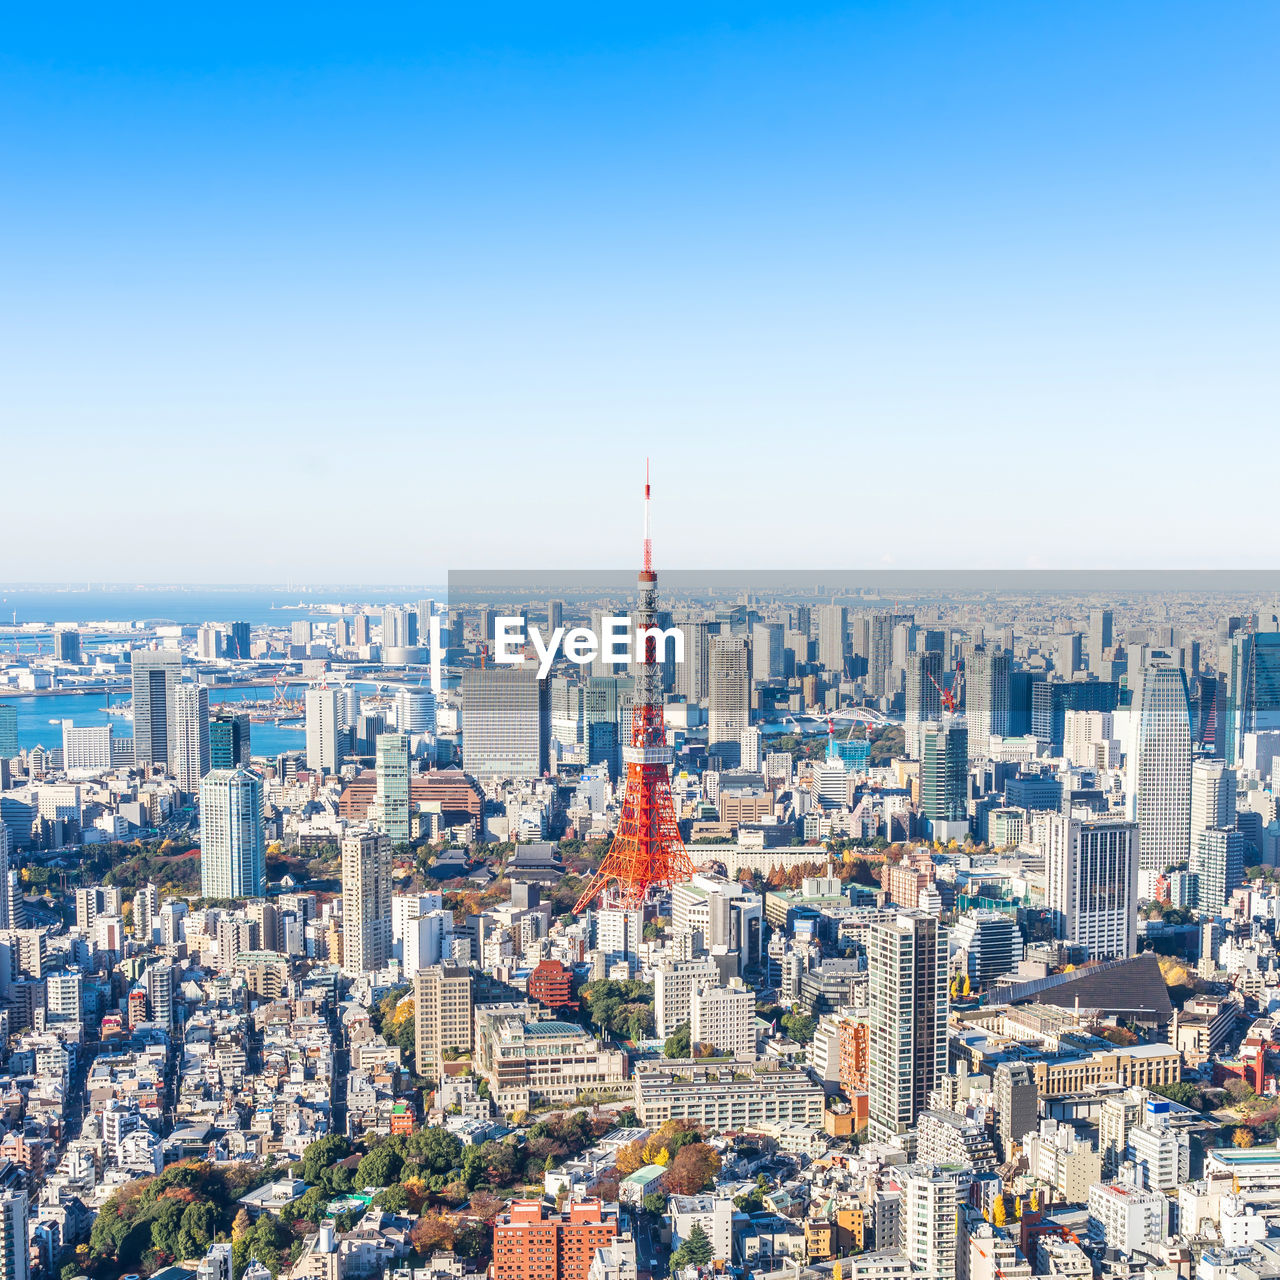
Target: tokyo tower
[(647, 850)]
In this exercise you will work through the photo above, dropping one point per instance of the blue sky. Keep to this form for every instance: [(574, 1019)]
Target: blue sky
[(294, 291)]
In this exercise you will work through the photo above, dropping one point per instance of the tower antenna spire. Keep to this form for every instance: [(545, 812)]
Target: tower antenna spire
[(648, 536), (647, 851)]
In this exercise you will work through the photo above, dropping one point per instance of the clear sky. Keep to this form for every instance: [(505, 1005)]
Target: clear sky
[(328, 292)]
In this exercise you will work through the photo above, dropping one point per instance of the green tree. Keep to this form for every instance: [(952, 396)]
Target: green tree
[(320, 1156), (799, 1026), (677, 1043), (380, 1168), (655, 1203), (695, 1249), (395, 1199)]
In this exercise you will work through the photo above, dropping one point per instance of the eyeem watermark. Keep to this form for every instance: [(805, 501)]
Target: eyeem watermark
[(618, 645)]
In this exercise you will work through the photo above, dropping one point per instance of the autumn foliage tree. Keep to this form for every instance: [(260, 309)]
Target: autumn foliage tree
[(692, 1169)]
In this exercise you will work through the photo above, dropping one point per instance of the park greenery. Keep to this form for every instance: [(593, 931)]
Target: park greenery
[(624, 1009)]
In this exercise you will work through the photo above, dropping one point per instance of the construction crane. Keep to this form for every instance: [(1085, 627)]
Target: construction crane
[(951, 697)]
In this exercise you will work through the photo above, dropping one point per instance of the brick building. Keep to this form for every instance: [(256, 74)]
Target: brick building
[(530, 1243), (551, 985)]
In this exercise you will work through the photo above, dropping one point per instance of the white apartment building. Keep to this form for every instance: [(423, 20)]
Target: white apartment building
[(1125, 1217), (723, 1017), (1091, 871), (673, 983)]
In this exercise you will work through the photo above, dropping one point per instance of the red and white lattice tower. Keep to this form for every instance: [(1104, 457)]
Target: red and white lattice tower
[(647, 851)]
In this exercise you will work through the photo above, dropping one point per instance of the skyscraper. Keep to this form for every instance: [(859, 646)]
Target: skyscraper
[(986, 696), (232, 858), (1252, 670), (766, 650), (443, 1012), (1091, 877), (729, 706), (907, 969), (506, 722), (391, 806), (1158, 785), (236, 644), (415, 710), (924, 702), (1217, 858), (326, 738), (944, 775), (189, 730), (1213, 797), (832, 627), (879, 653), (8, 731), (693, 674), (155, 677), (1099, 636), (366, 900), (66, 644), (229, 738)]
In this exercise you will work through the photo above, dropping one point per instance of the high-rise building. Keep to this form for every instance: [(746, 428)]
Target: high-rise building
[(989, 943), (924, 702), (6, 907), (1252, 671), (366, 900), (1099, 636), (1052, 699), (442, 1003), (326, 738), (391, 807), (930, 1198), (880, 653), (236, 644), (693, 674), (766, 650), (415, 710), (8, 731), (87, 748), (1217, 859), (229, 739), (15, 1243), (146, 913), (66, 644), (729, 703), (506, 722), (724, 1017), (1017, 1105), (155, 678), (832, 630), (189, 735), (944, 771), (399, 628), (986, 696), (907, 968), (1158, 786), (1091, 876), (232, 856), (1213, 796)]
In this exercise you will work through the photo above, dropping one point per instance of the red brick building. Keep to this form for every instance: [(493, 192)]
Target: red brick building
[(551, 985), (904, 882), (530, 1244)]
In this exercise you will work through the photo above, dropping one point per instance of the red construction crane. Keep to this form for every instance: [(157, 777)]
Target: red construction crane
[(951, 697)]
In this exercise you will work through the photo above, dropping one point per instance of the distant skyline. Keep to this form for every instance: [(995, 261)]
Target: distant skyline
[(321, 294)]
